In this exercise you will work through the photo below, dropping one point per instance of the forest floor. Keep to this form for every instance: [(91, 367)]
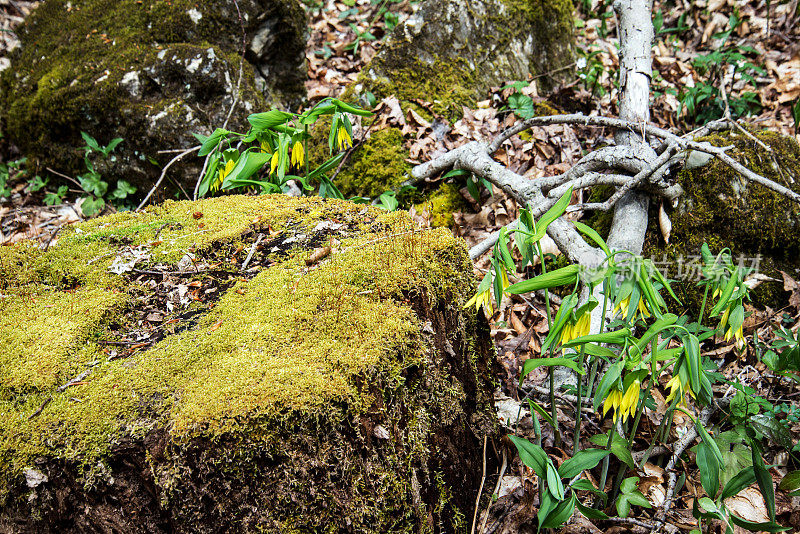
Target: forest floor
[(694, 60)]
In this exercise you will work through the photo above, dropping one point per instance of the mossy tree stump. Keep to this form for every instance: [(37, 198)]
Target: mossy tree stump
[(149, 384)]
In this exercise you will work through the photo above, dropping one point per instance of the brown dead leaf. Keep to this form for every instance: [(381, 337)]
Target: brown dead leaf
[(790, 284)]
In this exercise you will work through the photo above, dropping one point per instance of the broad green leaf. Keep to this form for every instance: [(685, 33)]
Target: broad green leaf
[(772, 429), (604, 386), (615, 337), (531, 455), (623, 506), (552, 214), (564, 276), (790, 482), (344, 106), (268, 119), (329, 165), (757, 527), (554, 484), (725, 296), (561, 513), (532, 363), (744, 479), (585, 485), (692, 347), (709, 470), (593, 235), (536, 407), (764, 480), (619, 447), (248, 164), (590, 513), (709, 442), (585, 459), (212, 141), (667, 320)]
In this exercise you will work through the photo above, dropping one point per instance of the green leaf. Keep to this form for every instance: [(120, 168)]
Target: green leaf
[(554, 484), (536, 407), (92, 206), (772, 429), (585, 459), (248, 164), (112, 145), (764, 480), (590, 513), (757, 527), (623, 506), (343, 106), (585, 485), (709, 470), (123, 190), (268, 119), (619, 447), (90, 142), (329, 165), (790, 482), (744, 479), (725, 297), (532, 363), (531, 455), (692, 349), (604, 386), (552, 214), (615, 337), (560, 514), (212, 141), (709, 442), (593, 235), (559, 277)]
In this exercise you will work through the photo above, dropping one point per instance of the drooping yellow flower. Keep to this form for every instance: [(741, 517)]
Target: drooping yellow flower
[(629, 401), (504, 279), (613, 400), (677, 387), (624, 307), (343, 138), (273, 163), (623, 404), (481, 299), (223, 172), (580, 327), (739, 335), (265, 147), (298, 155)]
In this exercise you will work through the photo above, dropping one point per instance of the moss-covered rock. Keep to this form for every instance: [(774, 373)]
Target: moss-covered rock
[(338, 393), (378, 165), (449, 53), (441, 205), (723, 209), (151, 72)]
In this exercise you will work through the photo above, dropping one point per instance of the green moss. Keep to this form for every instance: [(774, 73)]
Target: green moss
[(296, 351), (378, 165), (434, 67), (441, 205), (721, 208), (66, 77)]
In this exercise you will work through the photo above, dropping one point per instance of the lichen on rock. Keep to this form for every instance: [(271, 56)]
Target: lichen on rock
[(450, 53), (344, 393), (148, 71)]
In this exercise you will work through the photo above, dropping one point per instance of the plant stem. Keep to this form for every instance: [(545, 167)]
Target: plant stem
[(305, 149), (703, 306), (604, 473), (553, 409), (576, 438)]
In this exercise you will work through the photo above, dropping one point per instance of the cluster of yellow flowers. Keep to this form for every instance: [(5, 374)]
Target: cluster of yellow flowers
[(624, 307), (223, 172), (729, 333), (678, 387), (484, 298), (623, 404), (579, 328)]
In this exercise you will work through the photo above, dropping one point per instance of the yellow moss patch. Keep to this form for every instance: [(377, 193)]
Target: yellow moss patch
[(293, 341), (441, 205), (43, 335)]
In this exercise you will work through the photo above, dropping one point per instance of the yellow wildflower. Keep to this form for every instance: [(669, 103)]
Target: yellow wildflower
[(481, 299), (739, 335), (623, 404), (624, 307), (223, 172), (629, 401), (273, 164), (298, 155), (265, 147), (343, 138), (581, 327), (613, 400), (677, 387)]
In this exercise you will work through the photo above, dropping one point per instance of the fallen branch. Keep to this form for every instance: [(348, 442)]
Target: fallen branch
[(164, 174)]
